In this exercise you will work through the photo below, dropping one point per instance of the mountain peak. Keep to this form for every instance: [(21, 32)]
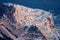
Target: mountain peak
[(20, 22)]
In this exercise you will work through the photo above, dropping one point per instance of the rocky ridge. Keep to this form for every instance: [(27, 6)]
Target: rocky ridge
[(18, 22)]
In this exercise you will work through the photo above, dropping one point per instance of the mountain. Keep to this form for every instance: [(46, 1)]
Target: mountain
[(19, 22)]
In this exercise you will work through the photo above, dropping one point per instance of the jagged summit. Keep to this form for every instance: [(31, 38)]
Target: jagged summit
[(18, 22)]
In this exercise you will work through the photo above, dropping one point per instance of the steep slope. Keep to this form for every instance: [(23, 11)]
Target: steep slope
[(18, 22)]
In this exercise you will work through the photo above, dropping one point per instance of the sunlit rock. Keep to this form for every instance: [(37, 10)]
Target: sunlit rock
[(23, 23)]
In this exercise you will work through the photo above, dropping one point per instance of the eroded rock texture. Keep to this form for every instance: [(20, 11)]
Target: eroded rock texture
[(18, 22)]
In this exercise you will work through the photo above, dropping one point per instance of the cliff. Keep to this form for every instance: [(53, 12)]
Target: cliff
[(18, 22)]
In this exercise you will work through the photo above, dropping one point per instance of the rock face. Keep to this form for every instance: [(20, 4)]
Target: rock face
[(18, 22)]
